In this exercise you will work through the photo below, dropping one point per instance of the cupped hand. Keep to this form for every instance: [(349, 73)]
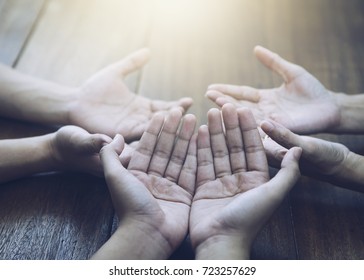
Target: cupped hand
[(156, 190), (73, 148), (234, 197), (298, 103), (104, 103)]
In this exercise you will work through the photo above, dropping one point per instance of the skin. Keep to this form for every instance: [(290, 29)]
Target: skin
[(298, 103), (324, 160), (152, 198), (102, 104), (69, 148), (233, 183)]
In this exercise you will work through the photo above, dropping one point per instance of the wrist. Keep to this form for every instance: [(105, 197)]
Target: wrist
[(135, 241), (350, 173), (335, 125), (224, 247), (54, 158), (350, 117), (65, 96)]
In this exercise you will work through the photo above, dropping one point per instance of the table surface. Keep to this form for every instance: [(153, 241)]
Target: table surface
[(194, 43)]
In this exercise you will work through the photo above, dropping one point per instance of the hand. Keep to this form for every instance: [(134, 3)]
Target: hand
[(73, 148), (234, 197), (319, 157), (154, 195), (297, 104), (104, 103)]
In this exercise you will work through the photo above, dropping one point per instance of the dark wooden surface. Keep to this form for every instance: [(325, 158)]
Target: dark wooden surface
[(193, 44)]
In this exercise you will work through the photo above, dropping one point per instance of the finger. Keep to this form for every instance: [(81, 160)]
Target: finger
[(180, 149), (185, 103), (275, 152), (109, 156), (126, 155), (97, 141), (187, 177), (143, 152), (270, 195), (182, 104), (214, 94), (165, 143), (234, 138), (218, 143), (219, 98), (238, 92), (126, 191), (132, 62), (205, 161), (253, 147), (287, 70), (288, 175), (282, 135)]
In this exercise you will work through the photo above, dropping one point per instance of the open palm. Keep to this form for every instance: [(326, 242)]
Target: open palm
[(157, 188), (106, 105), (297, 104), (227, 171)]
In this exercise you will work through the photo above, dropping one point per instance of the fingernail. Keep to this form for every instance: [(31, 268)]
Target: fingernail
[(117, 136), (267, 126)]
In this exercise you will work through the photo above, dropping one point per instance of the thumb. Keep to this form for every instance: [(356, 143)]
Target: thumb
[(109, 153), (288, 175), (97, 141), (132, 62), (287, 70)]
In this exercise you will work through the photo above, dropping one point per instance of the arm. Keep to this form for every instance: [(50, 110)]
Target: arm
[(27, 98), (152, 197), (324, 160), (351, 114), (298, 103), (70, 148), (234, 197), (102, 104), (24, 157)]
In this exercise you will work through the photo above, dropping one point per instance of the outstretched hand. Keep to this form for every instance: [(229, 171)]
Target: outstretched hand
[(104, 104), (234, 197), (297, 104), (324, 160), (154, 194)]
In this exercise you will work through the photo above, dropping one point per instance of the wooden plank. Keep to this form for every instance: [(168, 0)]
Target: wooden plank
[(59, 216), (74, 39), (66, 216), (328, 221), (194, 46), (17, 18)]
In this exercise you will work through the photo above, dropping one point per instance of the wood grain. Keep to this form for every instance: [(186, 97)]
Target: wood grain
[(193, 44), (17, 20)]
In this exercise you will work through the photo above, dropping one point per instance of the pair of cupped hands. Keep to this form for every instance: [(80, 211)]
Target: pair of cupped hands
[(214, 184)]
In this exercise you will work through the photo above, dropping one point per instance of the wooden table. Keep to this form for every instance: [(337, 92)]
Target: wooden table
[(194, 43)]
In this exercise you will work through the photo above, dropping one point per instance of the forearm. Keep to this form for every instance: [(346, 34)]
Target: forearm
[(351, 113), (31, 99), (134, 242), (24, 157), (223, 248), (350, 174)]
